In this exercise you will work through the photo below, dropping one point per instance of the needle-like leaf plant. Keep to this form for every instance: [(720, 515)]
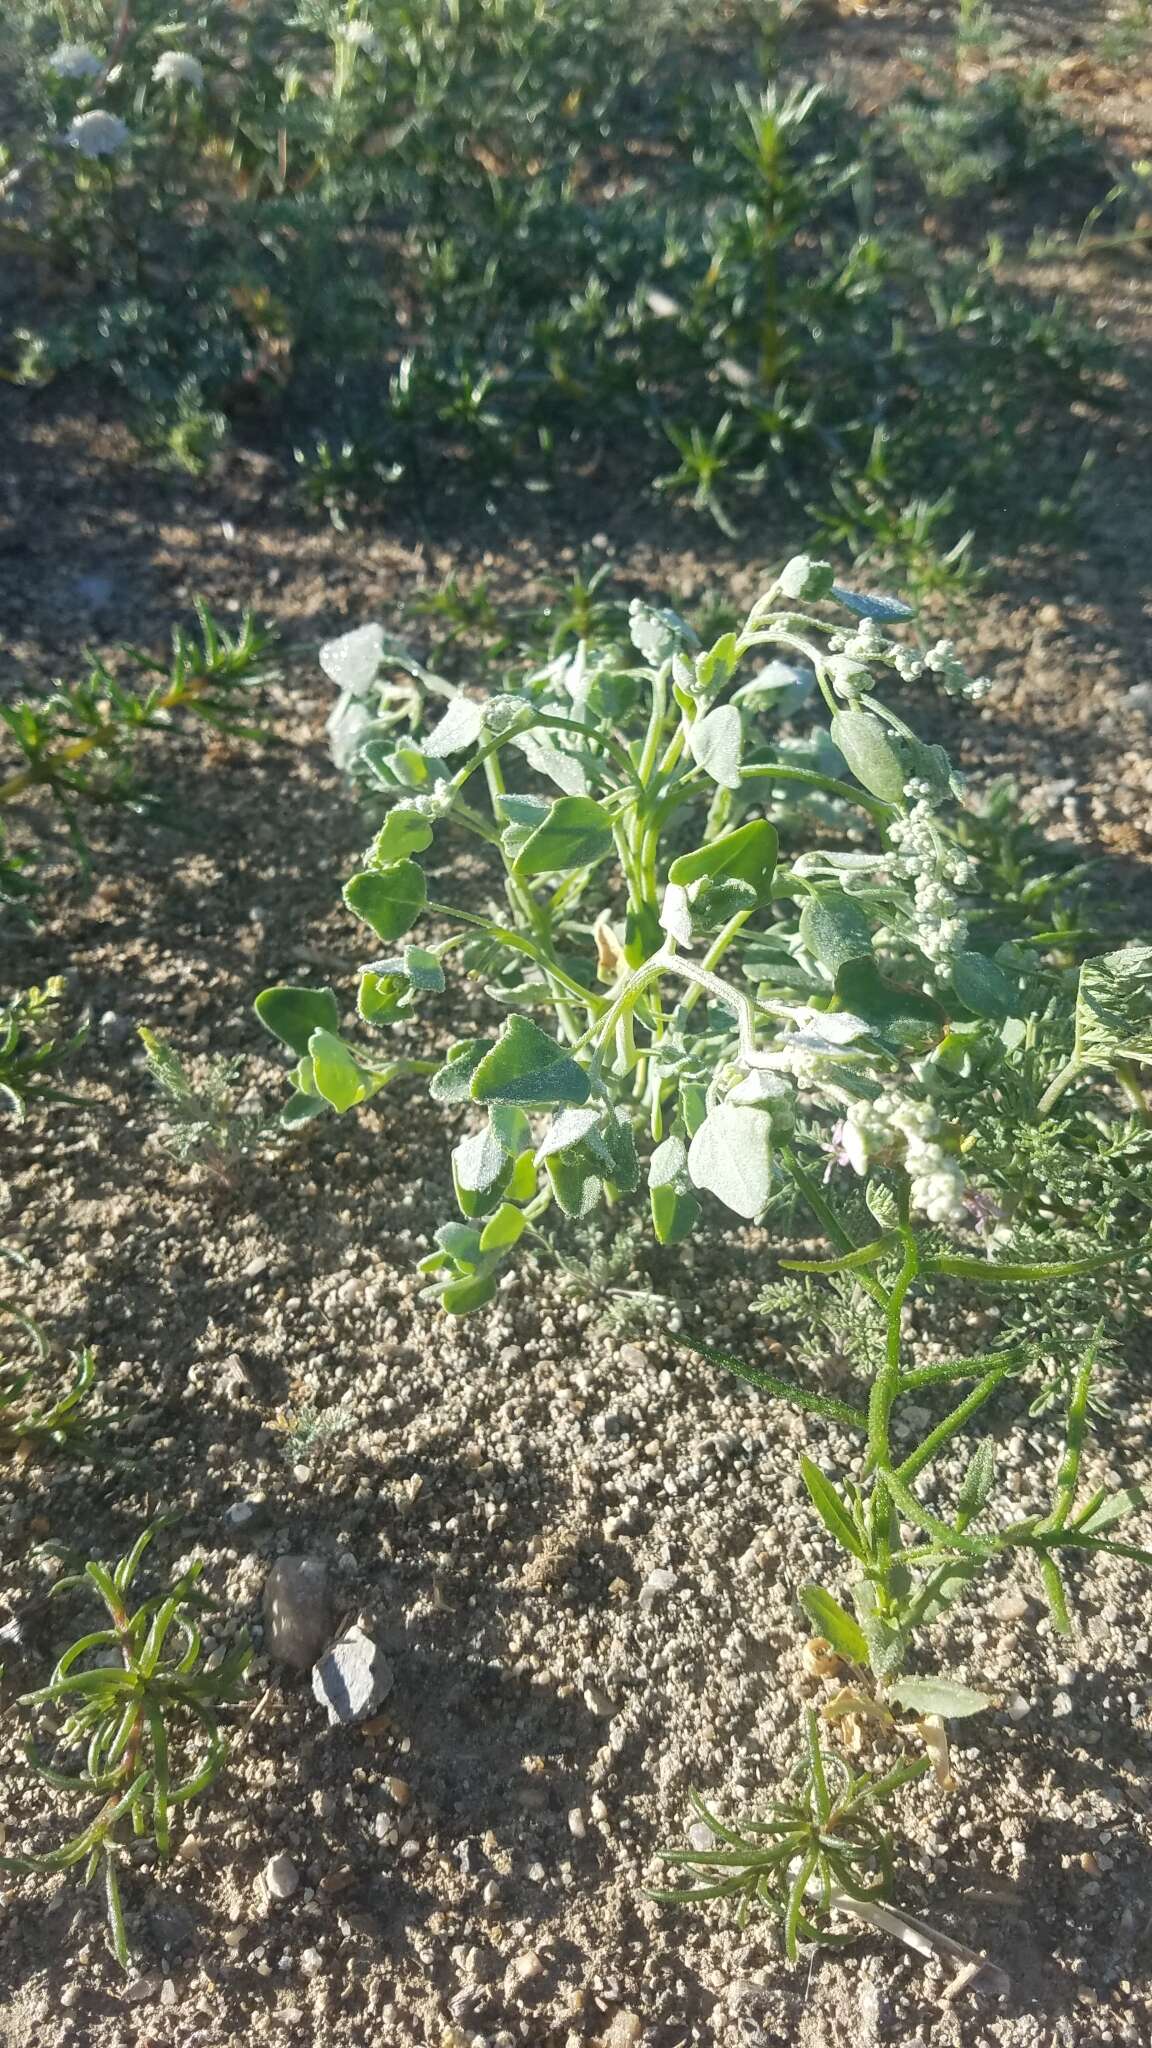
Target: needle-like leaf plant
[(138, 1709)]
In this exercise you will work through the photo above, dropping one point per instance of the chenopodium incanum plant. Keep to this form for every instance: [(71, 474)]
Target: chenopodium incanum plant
[(726, 1009), (759, 968), (142, 1711)]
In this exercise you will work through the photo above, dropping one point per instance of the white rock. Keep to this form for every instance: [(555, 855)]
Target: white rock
[(352, 1679), (281, 1877), (655, 1585)]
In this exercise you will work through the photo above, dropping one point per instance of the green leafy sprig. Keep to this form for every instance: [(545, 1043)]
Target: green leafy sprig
[(142, 1711)]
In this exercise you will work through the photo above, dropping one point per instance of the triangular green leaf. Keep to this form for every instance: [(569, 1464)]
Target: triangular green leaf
[(576, 833), (388, 899), (731, 1156), (835, 930), (339, 1076), (453, 1081), (983, 987), (871, 753), (715, 743), (293, 1014), (747, 854), (404, 831), (526, 1066)]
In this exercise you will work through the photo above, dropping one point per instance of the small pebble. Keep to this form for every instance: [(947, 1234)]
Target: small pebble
[(655, 1585), (522, 1969), (624, 2028), (352, 1679), (297, 1612), (137, 1989), (281, 1877), (243, 1513)]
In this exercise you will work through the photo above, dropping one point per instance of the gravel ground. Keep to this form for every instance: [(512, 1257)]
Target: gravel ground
[(577, 1549)]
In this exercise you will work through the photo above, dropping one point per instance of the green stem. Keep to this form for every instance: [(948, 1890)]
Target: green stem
[(780, 771), (960, 1369), (520, 943), (962, 1413), (1056, 1087), (824, 1212), (647, 762), (589, 732), (715, 953), (1130, 1082), (922, 1518), (886, 1386), (783, 1390), (1076, 1429)]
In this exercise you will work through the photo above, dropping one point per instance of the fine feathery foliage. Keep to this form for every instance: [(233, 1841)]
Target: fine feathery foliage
[(206, 1121), (137, 1725)]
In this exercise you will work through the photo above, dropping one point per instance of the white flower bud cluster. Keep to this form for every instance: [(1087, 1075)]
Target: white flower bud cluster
[(943, 661), (866, 643), (936, 872), (872, 1129), (97, 133), (176, 67), (360, 35), (75, 61)]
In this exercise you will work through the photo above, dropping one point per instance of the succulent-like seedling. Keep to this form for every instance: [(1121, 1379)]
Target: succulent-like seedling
[(820, 1847), (140, 1711)]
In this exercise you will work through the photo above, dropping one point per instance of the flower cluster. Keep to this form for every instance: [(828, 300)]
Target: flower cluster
[(75, 61), (97, 133), (936, 871), (176, 67), (360, 35), (866, 643), (873, 1130)]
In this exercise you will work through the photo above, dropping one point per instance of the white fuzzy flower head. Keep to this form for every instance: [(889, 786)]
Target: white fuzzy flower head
[(176, 67), (97, 133), (361, 36), (75, 60)]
